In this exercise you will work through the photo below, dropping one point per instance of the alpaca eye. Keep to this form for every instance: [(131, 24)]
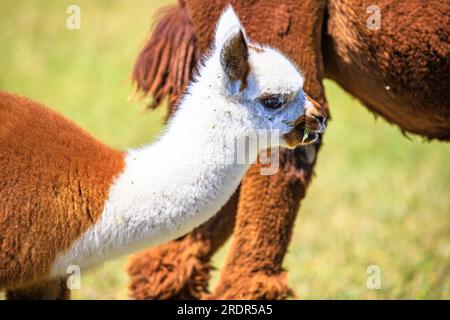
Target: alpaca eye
[(273, 102)]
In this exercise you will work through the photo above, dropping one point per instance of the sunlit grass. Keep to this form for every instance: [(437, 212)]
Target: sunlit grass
[(377, 199)]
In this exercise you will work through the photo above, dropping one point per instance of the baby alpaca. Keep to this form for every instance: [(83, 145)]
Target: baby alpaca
[(67, 199)]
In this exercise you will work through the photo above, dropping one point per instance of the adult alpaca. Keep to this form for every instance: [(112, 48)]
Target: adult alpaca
[(400, 72), (67, 199)]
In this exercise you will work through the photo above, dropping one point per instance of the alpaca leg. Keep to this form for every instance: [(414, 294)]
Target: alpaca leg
[(267, 209), (180, 269), (49, 290)]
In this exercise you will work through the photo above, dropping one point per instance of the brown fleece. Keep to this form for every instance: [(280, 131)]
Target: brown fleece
[(166, 62), (54, 182), (400, 72)]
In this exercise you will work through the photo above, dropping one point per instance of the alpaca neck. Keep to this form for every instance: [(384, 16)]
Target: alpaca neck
[(170, 187)]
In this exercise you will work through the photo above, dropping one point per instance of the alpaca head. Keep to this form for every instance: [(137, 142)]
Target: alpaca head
[(262, 83)]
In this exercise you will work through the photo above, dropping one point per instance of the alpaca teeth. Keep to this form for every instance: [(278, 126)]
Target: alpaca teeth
[(305, 134)]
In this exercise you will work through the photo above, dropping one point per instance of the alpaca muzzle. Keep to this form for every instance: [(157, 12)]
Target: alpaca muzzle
[(306, 129), (315, 116)]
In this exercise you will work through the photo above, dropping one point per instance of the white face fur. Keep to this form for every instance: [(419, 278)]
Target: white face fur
[(275, 90), (258, 78)]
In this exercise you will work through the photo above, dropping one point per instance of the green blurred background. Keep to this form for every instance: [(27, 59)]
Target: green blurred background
[(377, 198)]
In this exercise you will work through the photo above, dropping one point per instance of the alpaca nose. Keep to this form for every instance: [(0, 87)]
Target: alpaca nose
[(321, 120), (315, 115)]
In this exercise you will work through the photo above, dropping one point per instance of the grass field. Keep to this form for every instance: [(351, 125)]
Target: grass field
[(377, 199)]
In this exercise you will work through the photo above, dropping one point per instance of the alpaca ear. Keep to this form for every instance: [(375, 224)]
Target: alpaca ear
[(230, 40), (234, 61)]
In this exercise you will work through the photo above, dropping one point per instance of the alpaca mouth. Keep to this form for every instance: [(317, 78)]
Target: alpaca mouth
[(306, 129), (300, 135), (307, 135)]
